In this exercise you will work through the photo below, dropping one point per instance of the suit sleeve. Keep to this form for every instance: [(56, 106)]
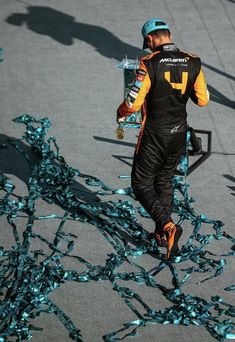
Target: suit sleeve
[(137, 94), (200, 94)]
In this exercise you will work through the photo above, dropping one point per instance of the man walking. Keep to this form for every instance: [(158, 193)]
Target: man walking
[(165, 80)]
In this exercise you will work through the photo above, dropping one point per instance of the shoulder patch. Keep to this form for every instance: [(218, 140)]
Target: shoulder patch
[(149, 56), (191, 54)]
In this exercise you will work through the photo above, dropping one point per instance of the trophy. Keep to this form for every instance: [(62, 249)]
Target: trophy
[(134, 120)]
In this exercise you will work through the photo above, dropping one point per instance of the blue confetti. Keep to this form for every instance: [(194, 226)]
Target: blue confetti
[(28, 277)]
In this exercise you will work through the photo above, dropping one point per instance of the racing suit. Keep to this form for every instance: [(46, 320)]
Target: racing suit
[(164, 82)]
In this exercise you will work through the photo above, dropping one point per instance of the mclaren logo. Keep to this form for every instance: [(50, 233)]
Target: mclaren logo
[(174, 60)]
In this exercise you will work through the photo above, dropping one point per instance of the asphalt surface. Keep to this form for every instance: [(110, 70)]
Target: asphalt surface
[(61, 62)]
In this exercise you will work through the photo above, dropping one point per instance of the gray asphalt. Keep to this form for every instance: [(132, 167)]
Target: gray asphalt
[(61, 62)]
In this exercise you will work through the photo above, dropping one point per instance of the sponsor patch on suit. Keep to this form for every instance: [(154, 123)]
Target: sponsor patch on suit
[(140, 78), (136, 89), (133, 94), (130, 98), (129, 101), (140, 72), (138, 84)]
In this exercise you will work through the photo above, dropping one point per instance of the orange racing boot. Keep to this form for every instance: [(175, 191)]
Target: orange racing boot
[(173, 233)]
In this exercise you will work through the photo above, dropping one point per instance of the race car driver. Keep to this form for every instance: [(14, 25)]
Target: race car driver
[(165, 80)]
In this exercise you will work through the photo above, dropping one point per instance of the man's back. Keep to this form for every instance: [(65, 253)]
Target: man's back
[(172, 74)]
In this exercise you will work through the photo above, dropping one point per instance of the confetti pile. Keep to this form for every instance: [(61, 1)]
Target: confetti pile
[(28, 276)]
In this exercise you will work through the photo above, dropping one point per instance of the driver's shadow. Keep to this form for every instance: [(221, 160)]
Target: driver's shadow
[(64, 29)]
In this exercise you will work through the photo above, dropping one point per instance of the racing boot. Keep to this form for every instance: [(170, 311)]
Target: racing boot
[(173, 233)]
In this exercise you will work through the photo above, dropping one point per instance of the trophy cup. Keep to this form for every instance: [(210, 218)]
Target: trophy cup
[(134, 120)]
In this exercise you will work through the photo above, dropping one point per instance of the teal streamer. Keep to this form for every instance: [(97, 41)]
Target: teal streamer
[(27, 277), (1, 54), (230, 288)]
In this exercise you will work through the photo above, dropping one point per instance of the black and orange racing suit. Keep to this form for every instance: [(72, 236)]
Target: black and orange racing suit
[(164, 82)]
